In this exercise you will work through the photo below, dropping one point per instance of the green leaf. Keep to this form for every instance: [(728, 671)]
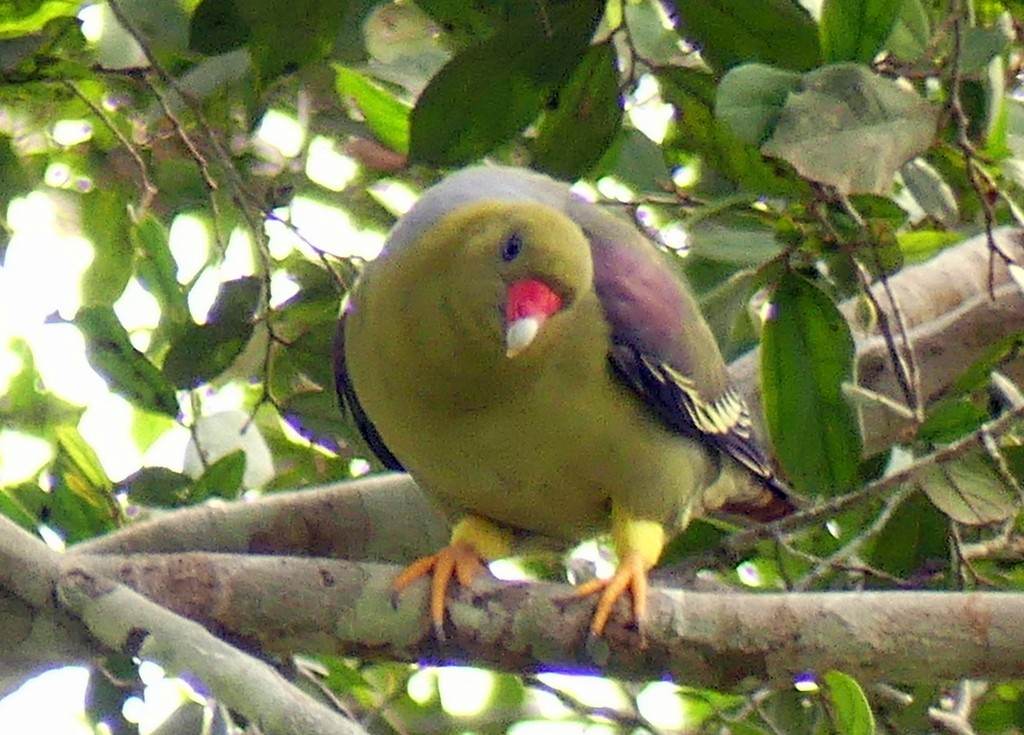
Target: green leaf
[(912, 33), (725, 305), (652, 40), (1015, 461), (470, 22), (83, 504), (83, 458), (31, 16), (930, 191), (222, 479), (734, 237), (25, 404), (125, 369), (305, 359), (314, 415), (738, 727), (157, 486), (24, 504), (237, 300), (105, 222), (913, 542), (734, 32), (1001, 710), (855, 30), (737, 240), (14, 178), (203, 79), (852, 128), (970, 490), (635, 160), (342, 675), (950, 419), (695, 129), (393, 32), (979, 373), (851, 712), (278, 47), (981, 45), (806, 356), (385, 115), (703, 535), (751, 97), (491, 91), (158, 270), (204, 351), (575, 134), (217, 27), (317, 300), (920, 245), (163, 23)]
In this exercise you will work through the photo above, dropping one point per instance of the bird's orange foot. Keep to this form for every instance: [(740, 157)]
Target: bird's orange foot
[(459, 560), (631, 574)]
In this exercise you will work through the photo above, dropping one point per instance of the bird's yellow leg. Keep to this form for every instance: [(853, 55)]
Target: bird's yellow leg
[(473, 542), (639, 544)]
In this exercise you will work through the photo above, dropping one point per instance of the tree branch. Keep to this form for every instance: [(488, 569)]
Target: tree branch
[(125, 621), (836, 505), (286, 604), (384, 518), (45, 592)]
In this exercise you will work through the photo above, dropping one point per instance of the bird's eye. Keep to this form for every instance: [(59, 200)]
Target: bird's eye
[(511, 248)]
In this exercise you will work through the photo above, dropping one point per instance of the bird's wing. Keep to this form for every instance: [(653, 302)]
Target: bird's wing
[(722, 422), (350, 406), (662, 347)]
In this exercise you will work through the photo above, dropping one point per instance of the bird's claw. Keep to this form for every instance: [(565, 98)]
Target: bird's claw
[(630, 575), (458, 561)]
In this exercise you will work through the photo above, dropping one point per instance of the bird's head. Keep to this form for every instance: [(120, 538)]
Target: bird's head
[(514, 267)]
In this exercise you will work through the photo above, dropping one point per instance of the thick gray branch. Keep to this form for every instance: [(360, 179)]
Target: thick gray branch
[(125, 621), (382, 518), (55, 610), (719, 640)]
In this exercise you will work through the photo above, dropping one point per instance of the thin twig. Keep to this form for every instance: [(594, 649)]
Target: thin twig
[(981, 181), (850, 550), (1007, 546), (854, 567), (904, 364), (243, 194), (835, 506), (957, 720), (148, 188)]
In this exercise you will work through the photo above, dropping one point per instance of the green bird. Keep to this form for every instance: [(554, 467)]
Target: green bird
[(541, 369)]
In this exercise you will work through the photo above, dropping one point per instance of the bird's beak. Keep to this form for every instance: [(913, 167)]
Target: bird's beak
[(520, 334), (528, 304)]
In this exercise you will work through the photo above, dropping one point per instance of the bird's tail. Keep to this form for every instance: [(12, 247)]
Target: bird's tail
[(773, 502)]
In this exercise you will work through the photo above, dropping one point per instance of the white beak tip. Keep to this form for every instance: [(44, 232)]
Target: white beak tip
[(520, 334)]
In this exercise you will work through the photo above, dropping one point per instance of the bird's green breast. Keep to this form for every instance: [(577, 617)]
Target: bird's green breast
[(542, 442)]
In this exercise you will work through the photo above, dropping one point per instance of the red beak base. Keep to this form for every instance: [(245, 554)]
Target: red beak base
[(530, 298)]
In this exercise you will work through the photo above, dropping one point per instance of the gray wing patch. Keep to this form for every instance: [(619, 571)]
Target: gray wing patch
[(723, 423)]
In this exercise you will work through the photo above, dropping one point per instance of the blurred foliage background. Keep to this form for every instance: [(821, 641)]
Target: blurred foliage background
[(188, 188)]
